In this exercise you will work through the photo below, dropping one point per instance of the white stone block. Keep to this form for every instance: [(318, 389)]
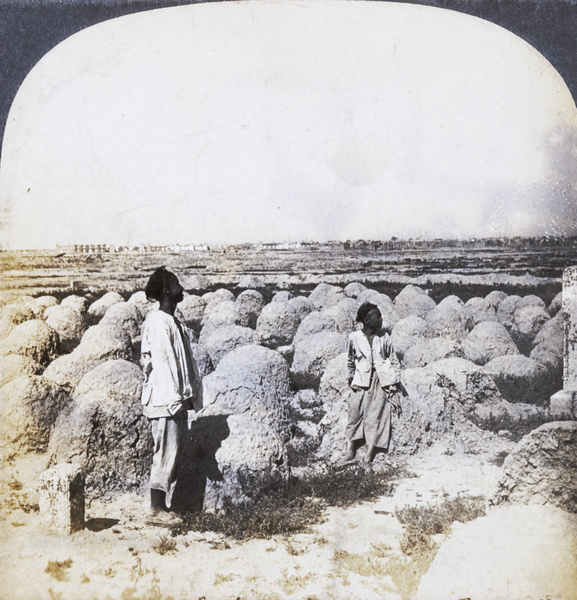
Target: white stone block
[(563, 404), (61, 499)]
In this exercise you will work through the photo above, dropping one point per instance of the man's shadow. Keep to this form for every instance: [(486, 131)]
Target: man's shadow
[(198, 463)]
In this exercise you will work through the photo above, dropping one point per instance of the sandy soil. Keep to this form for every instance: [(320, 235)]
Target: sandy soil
[(350, 555)]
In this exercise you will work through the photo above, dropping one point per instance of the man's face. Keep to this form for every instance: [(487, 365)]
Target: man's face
[(175, 290), (374, 319)]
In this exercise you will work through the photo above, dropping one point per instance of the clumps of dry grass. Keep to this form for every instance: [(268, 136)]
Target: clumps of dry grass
[(418, 544), (14, 484), (374, 564), (15, 502), (268, 515), (58, 569), (16, 498), (164, 544), (220, 578), (353, 484), (27, 506), (152, 593), (292, 548), (406, 573), (291, 582), (292, 506), (367, 565), (422, 522)]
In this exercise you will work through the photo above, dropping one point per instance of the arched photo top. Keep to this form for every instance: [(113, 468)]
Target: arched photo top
[(239, 122)]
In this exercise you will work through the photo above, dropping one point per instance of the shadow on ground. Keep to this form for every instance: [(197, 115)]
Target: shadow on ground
[(100, 524), (199, 463)]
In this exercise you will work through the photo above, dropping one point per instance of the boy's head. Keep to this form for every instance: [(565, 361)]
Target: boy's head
[(163, 283)]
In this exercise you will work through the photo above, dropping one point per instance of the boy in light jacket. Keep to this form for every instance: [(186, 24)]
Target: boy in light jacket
[(374, 375)]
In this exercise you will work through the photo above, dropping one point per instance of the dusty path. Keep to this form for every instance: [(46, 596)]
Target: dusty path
[(350, 555)]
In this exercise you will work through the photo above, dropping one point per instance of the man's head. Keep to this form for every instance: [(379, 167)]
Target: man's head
[(370, 316), (164, 285)]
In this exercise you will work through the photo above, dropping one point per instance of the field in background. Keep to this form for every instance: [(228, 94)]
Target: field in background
[(521, 270)]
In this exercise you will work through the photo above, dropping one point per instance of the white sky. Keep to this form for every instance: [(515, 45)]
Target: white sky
[(258, 121)]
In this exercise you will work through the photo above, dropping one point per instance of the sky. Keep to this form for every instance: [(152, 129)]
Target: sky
[(288, 121)]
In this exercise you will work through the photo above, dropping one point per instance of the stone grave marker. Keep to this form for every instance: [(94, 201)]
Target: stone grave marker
[(61, 499)]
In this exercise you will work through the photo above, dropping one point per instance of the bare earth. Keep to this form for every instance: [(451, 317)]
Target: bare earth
[(356, 553), (347, 556)]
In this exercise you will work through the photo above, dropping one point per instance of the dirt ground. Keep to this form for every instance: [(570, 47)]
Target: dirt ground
[(354, 553)]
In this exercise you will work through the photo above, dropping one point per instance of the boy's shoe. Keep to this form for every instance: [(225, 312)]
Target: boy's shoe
[(161, 518)]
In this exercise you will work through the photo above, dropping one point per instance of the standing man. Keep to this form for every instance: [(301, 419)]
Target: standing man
[(170, 377)]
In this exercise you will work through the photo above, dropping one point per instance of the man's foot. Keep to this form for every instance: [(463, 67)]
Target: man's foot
[(162, 518), (369, 454)]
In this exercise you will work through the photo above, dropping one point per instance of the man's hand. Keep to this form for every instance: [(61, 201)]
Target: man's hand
[(146, 366)]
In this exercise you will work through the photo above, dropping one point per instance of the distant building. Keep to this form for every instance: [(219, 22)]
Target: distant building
[(83, 248), (281, 245)]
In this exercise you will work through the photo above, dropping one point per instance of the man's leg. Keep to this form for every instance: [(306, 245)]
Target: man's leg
[(157, 500), (168, 435)]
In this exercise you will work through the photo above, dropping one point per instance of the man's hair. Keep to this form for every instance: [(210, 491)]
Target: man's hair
[(157, 283), (364, 309)]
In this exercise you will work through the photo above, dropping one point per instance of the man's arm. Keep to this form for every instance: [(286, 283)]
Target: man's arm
[(351, 359), (391, 354), (164, 363), (145, 357)]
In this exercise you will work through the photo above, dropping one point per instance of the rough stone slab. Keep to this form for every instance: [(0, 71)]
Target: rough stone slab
[(61, 499), (563, 405), (542, 469)]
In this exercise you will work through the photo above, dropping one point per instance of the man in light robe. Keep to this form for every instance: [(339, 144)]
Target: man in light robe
[(170, 379)]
